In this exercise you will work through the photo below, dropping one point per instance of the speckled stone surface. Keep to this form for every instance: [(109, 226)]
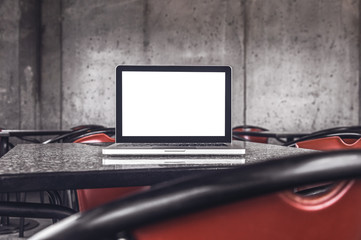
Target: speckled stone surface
[(39, 158), (258, 152), (71, 165), (35, 158)]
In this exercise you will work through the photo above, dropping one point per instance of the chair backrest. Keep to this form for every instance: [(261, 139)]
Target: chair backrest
[(330, 143), (219, 205), (78, 132), (249, 128), (95, 138)]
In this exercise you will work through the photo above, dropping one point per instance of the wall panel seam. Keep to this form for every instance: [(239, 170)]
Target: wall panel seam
[(61, 64), (245, 29), (359, 61), (18, 67)]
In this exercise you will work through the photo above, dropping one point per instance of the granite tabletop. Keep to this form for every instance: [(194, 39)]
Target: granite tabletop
[(30, 167)]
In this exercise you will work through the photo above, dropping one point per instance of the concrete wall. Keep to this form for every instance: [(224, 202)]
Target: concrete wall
[(19, 61), (9, 47), (302, 64), (102, 35), (296, 63)]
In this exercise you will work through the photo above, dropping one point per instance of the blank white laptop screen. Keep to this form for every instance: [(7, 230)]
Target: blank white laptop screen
[(173, 103)]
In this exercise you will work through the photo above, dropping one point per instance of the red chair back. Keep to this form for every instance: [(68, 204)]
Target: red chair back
[(251, 129), (330, 143), (99, 137)]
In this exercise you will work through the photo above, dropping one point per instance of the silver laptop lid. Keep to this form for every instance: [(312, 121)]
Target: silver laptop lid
[(173, 104)]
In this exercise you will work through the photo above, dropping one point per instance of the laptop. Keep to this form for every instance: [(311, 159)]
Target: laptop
[(173, 110)]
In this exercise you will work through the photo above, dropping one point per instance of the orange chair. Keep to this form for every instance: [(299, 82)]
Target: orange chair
[(91, 198), (76, 132), (330, 143), (95, 138), (247, 128)]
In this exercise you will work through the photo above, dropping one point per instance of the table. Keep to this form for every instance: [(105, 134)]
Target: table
[(59, 166), (6, 134)]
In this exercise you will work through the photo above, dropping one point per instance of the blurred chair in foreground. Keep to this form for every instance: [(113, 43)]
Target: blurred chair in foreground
[(323, 141), (239, 203)]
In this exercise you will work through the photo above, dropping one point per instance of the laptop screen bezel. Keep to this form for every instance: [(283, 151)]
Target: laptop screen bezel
[(173, 139)]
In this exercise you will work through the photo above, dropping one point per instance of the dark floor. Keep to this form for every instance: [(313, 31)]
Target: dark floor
[(41, 223)]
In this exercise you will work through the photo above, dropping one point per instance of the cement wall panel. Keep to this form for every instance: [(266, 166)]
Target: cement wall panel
[(302, 64), (50, 91), (97, 36), (234, 56), (9, 79), (101, 35), (197, 33), (29, 60)]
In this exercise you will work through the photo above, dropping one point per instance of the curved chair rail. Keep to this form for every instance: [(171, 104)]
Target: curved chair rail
[(345, 132), (77, 131), (103, 135), (34, 210), (198, 193)]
